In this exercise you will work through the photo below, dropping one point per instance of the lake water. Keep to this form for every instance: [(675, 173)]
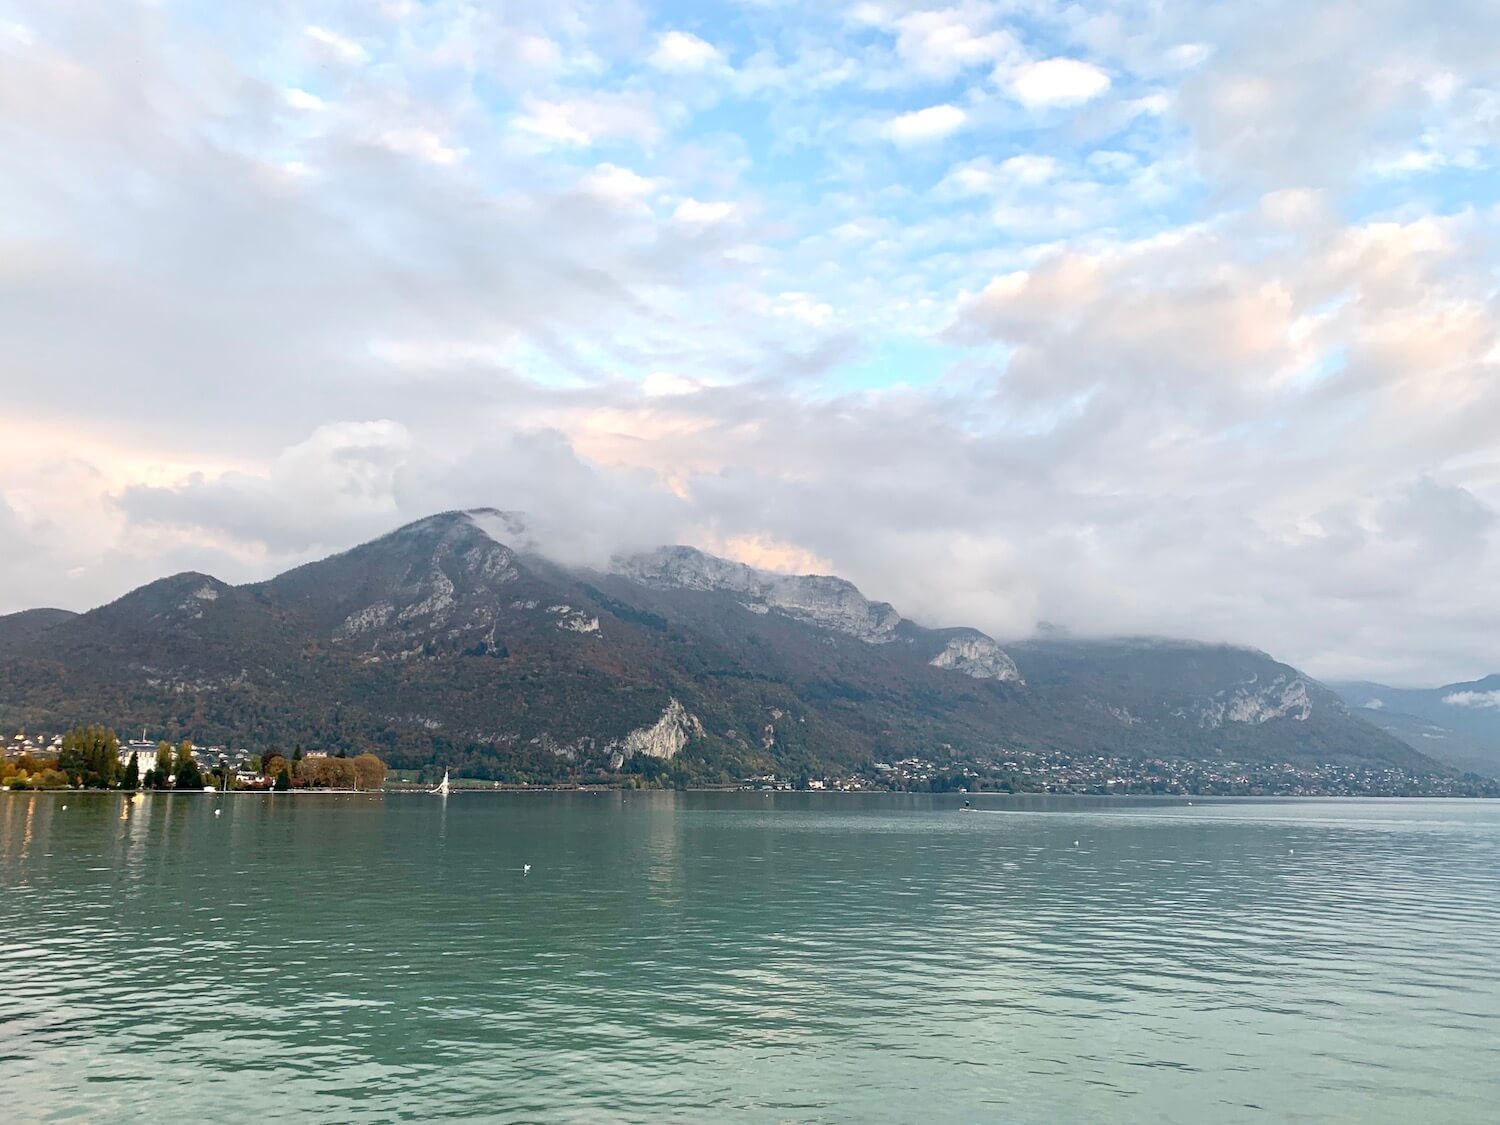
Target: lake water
[(747, 957)]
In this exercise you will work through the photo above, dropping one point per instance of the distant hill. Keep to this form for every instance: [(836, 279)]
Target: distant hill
[(1458, 724), (446, 641), (20, 629)]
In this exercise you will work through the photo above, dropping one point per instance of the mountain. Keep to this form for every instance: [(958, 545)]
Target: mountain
[(1208, 699), (452, 639), (1458, 724), (828, 603), (17, 629)]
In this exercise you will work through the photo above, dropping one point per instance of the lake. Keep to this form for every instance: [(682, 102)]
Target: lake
[(747, 957)]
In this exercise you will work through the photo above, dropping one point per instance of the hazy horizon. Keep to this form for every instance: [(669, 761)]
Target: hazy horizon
[(1132, 318)]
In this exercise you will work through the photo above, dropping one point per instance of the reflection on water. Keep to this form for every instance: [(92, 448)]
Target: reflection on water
[(763, 957)]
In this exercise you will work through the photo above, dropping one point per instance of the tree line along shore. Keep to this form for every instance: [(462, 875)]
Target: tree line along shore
[(91, 757)]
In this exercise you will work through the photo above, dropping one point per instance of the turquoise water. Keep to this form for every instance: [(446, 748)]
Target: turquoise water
[(747, 957)]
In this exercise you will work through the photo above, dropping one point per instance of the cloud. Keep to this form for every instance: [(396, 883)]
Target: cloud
[(925, 125), (1484, 699), (983, 176), (586, 119), (681, 51), (301, 99), (936, 45), (1057, 82), (423, 144), (341, 482), (695, 212), (618, 185), (660, 383), (1202, 355), (333, 47), (1351, 92)]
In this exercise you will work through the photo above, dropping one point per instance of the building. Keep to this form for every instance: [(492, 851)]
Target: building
[(145, 753)]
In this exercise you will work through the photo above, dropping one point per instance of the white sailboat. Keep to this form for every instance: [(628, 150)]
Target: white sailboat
[(443, 789)]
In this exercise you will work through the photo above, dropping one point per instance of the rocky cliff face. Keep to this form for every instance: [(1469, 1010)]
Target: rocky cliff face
[(975, 654), (663, 739), (832, 604), (829, 603), (438, 579), (1281, 697)]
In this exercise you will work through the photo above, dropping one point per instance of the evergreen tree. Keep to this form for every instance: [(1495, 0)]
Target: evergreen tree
[(132, 774), (283, 780)]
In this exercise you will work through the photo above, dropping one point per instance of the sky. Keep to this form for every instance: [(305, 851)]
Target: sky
[(1125, 316)]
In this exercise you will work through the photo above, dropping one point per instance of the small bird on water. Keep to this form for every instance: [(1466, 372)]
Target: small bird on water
[(217, 811), (525, 869)]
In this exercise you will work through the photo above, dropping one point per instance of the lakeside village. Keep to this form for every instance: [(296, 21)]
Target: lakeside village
[(93, 757)]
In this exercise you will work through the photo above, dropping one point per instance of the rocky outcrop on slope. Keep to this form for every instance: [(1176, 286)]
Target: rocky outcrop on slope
[(663, 739), (977, 655)]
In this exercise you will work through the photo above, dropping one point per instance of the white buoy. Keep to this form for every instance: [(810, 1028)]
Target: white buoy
[(217, 811), (1075, 843), (65, 808)]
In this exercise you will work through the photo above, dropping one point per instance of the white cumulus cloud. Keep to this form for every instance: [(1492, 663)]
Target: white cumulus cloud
[(923, 125), (697, 212), (1058, 82), (683, 51)]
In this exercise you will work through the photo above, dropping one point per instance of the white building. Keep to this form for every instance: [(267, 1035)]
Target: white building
[(145, 753)]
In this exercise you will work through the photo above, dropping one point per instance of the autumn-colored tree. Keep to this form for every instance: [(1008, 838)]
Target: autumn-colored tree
[(369, 771), (341, 773)]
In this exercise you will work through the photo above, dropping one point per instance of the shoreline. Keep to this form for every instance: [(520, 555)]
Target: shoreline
[(601, 790)]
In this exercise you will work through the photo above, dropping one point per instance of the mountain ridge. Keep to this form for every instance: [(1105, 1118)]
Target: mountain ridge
[(440, 640), (1457, 723)]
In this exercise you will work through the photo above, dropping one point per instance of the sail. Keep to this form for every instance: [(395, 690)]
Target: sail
[(442, 789)]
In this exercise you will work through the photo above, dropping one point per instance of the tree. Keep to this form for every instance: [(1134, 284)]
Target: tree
[(160, 775), (188, 775), (91, 755), (369, 771), (132, 774), (283, 780)]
